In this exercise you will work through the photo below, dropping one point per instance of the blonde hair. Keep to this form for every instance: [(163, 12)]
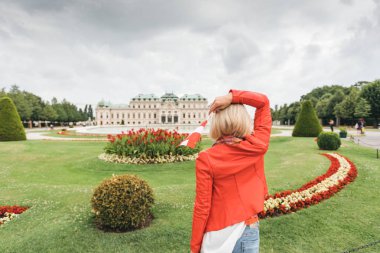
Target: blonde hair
[(233, 120)]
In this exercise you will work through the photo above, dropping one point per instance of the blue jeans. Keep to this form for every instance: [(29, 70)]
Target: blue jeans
[(249, 242)]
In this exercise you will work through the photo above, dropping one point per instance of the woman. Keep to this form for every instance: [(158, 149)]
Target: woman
[(230, 179)]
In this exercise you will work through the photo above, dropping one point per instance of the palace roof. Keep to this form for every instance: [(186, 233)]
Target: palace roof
[(151, 97), (196, 96), (145, 97)]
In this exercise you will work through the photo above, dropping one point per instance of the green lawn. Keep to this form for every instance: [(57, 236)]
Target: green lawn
[(275, 131), (57, 178)]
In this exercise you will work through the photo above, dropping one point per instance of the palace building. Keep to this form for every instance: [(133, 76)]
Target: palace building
[(148, 109)]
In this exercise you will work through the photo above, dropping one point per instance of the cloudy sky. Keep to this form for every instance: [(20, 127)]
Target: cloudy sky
[(88, 50)]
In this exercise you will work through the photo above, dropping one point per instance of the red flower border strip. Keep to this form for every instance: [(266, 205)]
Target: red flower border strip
[(341, 172), (8, 213)]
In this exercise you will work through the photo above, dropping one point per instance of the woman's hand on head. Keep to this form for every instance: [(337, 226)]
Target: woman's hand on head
[(220, 103)]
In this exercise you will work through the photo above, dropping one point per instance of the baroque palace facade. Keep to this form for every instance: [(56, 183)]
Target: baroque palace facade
[(148, 109)]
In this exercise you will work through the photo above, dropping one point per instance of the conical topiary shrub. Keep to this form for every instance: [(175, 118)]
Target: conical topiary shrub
[(307, 124), (11, 128)]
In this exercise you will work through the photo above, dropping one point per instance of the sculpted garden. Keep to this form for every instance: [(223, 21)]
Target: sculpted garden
[(134, 191)]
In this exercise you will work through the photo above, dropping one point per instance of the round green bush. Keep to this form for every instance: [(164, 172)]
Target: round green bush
[(122, 203), (307, 123), (11, 128), (328, 141)]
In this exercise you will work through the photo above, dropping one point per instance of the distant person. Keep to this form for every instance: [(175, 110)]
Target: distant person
[(331, 123), (229, 193), (359, 126), (362, 125)]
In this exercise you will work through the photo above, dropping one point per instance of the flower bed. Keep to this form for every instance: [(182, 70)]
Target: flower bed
[(8, 213), (148, 146), (341, 172)]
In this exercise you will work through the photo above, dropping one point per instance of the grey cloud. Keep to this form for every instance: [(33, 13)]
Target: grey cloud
[(87, 50)]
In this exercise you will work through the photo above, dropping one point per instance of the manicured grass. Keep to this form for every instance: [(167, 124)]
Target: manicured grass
[(57, 178)]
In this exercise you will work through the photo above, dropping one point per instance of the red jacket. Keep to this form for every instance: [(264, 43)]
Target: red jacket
[(230, 179)]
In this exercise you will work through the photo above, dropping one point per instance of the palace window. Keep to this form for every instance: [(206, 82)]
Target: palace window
[(149, 115), (133, 106), (183, 106), (154, 117), (138, 106), (194, 115), (144, 115), (111, 115), (149, 105), (138, 115), (117, 115), (133, 116), (154, 106), (184, 115), (144, 106)]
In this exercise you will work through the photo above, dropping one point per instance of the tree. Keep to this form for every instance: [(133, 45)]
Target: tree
[(322, 105), (371, 93), (2, 93), (346, 108), (90, 112), (23, 107), (62, 115), (11, 128), (362, 109), (292, 112), (307, 124), (336, 99), (48, 113)]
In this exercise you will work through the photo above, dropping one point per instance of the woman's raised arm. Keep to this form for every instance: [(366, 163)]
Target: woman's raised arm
[(263, 119)]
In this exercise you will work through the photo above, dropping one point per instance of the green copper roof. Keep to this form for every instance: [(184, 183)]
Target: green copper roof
[(103, 103), (169, 95), (145, 97), (196, 96)]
